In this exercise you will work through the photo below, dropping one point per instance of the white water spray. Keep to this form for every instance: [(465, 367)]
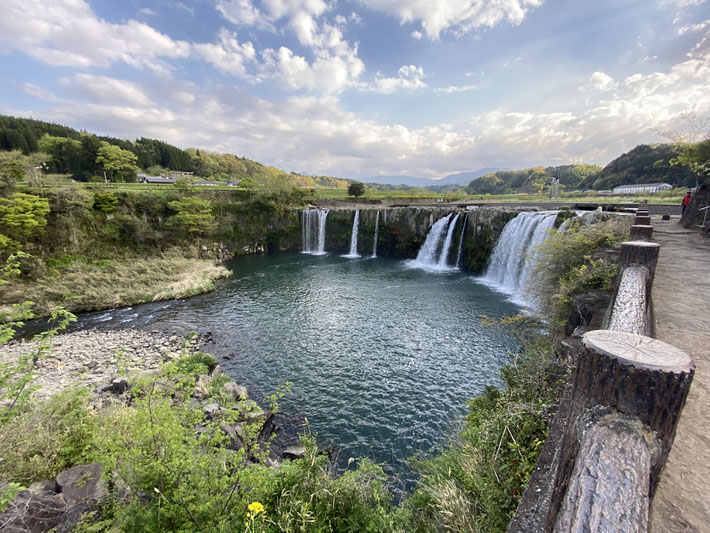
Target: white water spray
[(460, 252), (514, 257), (377, 231), (353, 238), (313, 230)]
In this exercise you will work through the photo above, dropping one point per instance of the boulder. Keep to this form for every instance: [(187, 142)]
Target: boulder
[(82, 484), (294, 452), (32, 513), (238, 392), (217, 371), (588, 309), (40, 487), (201, 387)]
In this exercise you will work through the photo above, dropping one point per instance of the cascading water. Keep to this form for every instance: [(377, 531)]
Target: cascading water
[(377, 231), (435, 250), (513, 259), (313, 230), (460, 252), (444, 256), (353, 237)]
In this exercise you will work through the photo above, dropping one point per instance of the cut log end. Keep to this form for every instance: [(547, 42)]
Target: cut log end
[(638, 351)]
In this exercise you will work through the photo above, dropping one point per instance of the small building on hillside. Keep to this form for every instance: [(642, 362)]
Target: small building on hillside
[(650, 188), (205, 182), (143, 178)]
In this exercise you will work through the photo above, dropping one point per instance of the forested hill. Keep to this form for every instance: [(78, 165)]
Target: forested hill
[(644, 164), (647, 163), (75, 152), (531, 180)]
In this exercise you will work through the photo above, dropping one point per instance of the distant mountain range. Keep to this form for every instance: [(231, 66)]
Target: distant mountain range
[(459, 178)]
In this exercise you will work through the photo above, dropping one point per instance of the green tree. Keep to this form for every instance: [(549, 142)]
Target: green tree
[(116, 161), (356, 189), (695, 157), (193, 216), (22, 215)]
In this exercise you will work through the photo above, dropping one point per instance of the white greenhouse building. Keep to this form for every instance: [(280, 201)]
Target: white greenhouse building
[(642, 187)]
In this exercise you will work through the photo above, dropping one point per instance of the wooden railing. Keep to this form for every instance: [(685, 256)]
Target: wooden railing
[(615, 426)]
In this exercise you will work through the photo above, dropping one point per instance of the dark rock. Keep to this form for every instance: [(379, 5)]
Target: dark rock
[(119, 385), (294, 452), (233, 432), (665, 217), (211, 408), (238, 392), (227, 357), (71, 517), (81, 484), (588, 309), (33, 513), (40, 487)]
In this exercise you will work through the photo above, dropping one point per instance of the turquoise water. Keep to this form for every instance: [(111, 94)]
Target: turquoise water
[(383, 358)]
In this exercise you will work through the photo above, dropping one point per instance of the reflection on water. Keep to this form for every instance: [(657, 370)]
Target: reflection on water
[(382, 357)]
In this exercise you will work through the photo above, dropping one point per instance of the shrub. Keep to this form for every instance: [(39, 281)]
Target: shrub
[(44, 441), (565, 267)]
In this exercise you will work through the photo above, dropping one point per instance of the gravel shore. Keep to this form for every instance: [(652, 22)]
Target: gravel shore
[(91, 357)]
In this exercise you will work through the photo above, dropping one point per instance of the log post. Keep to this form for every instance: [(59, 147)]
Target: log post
[(608, 490), (636, 376), (641, 232), (640, 253), (630, 310), (642, 220)]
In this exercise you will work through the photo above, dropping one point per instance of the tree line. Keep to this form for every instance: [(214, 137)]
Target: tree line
[(678, 164)]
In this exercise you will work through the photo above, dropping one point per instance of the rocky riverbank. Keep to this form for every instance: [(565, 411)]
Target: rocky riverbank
[(93, 358)]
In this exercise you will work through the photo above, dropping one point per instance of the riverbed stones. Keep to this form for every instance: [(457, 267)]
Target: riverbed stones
[(93, 358)]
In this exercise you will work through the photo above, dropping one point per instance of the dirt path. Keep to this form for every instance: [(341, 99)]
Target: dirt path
[(681, 301)]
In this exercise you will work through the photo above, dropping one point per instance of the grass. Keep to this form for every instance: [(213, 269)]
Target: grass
[(80, 285)]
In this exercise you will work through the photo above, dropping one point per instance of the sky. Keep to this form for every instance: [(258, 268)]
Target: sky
[(359, 88)]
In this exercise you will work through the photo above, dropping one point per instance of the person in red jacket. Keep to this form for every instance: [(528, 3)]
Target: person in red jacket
[(686, 201)]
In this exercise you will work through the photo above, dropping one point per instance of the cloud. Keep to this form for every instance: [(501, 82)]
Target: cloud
[(599, 81), (457, 16), (409, 77), (147, 11), (67, 33), (106, 89), (227, 54), (456, 89)]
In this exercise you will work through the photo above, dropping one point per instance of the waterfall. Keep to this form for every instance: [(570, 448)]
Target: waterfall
[(433, 253), (353, 238), (313, 230), (377, 231), (513, 259), (444, 256), (460, 252)]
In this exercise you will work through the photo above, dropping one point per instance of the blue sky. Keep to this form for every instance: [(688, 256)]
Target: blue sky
[(356, 88)]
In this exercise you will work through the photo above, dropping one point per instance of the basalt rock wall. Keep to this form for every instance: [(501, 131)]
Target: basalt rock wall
[(403, 230)]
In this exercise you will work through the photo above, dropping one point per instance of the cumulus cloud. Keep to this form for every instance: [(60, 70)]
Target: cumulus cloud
[(458, 16), (599, 81), (68, 33), (228, 54), (409, 77)]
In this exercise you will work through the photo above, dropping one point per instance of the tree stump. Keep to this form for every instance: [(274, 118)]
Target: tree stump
[(608, 490), (637, 376), (642, 220), (640, 232)]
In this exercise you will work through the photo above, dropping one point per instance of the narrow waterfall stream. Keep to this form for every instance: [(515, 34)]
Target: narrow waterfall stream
[(377, 231), (353, 238), (513, 259), (444, 255), (461, 237), (313, 230)]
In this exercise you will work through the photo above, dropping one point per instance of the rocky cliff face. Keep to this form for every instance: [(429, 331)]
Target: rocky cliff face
[(693, 216), (402, 231)]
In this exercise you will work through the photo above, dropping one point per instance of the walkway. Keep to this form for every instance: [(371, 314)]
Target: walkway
[(681, 302)]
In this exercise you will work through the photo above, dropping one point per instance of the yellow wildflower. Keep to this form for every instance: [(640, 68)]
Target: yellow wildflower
[(256, 508)]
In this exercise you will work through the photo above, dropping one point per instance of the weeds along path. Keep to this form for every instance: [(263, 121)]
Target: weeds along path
[(681, 302)]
